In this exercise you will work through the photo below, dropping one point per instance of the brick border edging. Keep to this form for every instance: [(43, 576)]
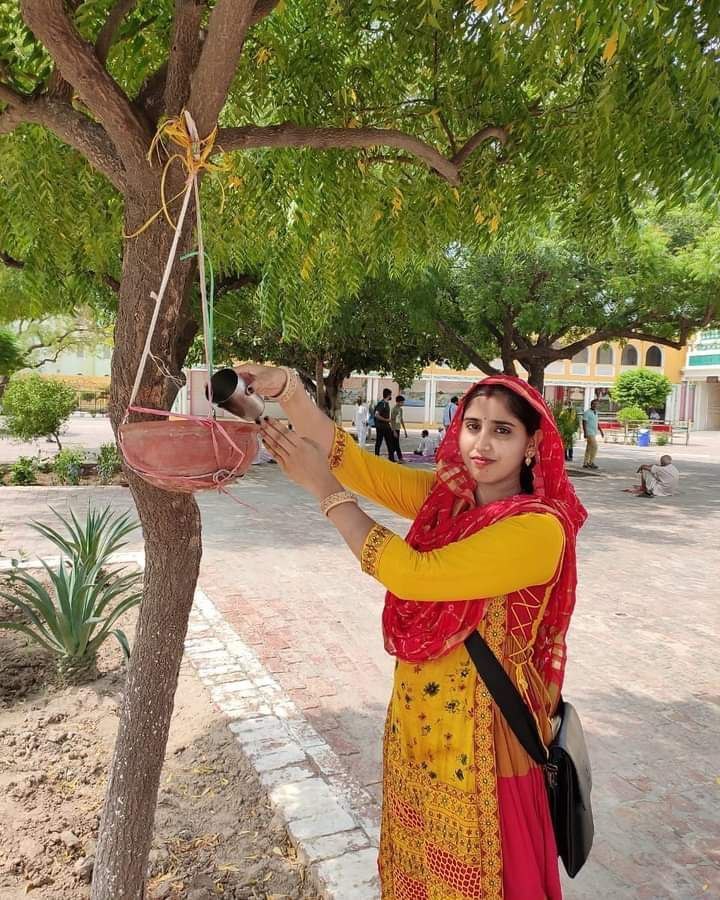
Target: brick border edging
[(305, 779)]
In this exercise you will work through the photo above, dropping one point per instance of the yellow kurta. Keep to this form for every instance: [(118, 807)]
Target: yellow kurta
[(445, 746)]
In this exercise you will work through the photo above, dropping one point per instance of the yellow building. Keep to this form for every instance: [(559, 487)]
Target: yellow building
[(588, 376)]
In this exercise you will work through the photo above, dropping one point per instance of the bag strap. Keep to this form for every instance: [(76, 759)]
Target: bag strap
[(507, 698)]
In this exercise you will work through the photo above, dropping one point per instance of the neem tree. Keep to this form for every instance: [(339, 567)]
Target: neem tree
[(548, 299), (443, 119)]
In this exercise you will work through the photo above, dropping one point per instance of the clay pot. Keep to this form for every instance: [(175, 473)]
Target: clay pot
[(188, 455)]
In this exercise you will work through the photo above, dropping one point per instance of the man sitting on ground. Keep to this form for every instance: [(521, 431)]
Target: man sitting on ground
[(427, 446), (658, 481)]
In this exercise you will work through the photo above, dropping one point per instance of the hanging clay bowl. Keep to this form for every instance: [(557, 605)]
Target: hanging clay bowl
[(189, 454)]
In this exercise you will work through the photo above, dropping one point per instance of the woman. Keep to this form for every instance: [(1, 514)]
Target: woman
[(492, 547)]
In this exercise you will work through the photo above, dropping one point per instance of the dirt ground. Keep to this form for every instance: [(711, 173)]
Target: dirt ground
[(215, 834)]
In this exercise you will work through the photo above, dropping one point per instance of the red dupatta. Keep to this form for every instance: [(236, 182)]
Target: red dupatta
[(416, 631)]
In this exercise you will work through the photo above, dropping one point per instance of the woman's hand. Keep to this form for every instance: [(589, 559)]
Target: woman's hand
[(300, 458), (268, 381)]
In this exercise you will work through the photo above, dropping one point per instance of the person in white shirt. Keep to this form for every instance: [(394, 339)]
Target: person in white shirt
[(362, 414), (658, 481), (428, 445), (449, 411)]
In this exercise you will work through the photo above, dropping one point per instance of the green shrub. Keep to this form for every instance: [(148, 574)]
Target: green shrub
[(77, 613), (24, 470), (641, 388), (661, 440), (35, 407), (67, 466), (632, 415), (109, 463)]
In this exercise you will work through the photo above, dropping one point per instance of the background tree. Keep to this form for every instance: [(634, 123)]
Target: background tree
[(377, 330), (551, 299), (35, 407), (642, 388), (458, 116)]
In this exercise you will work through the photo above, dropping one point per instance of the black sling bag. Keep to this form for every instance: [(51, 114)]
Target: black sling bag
[(566, 763)]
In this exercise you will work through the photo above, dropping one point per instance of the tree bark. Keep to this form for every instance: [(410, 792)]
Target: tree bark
[(536, 376), (172, 532), (171, 527), (333, 386), (320, 382)]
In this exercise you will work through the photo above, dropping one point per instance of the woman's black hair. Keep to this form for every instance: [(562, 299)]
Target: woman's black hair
[(522, 410)]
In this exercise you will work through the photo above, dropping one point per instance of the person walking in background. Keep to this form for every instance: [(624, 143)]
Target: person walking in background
[(591, 426), (383, 431), (449, 411), (362, 413), (396, 423)]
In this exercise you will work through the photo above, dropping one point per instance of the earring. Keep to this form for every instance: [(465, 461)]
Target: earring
[(529, 459)]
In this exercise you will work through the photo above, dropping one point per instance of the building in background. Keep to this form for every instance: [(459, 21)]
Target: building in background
[(699, 394), (586, 377)]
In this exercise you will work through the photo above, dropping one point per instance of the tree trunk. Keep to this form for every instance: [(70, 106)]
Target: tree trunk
[(333, 386), (320, 382), (4, 381), (171, 528), (536, 376)]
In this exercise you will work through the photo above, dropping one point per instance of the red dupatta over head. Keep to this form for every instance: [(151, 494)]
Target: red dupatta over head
[(415, 631)]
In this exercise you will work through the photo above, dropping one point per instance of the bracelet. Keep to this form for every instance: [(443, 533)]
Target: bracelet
[(333, 500), (290, 386)]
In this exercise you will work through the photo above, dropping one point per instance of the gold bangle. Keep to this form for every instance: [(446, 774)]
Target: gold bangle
[(289, 388), (336, 499)]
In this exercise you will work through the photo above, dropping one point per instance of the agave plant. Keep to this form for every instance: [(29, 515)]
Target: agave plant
[(85, 598), (77, 613), (91, 543)]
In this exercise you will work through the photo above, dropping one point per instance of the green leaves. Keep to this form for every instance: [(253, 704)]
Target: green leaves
[(604, 103), (90, 543), (641, 388), (11, 356), (35, 406)]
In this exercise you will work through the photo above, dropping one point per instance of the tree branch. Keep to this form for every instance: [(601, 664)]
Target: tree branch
[(262, 9), (254, 137), (78, 64), (13, 263), (10, 261), (488, 133), (72, 127), (107, 33), (151, 94), (465, 348), (235, 283), (11, 96), (599, 336), (184, 54), (112, 283), (209, 85), (492, 328)]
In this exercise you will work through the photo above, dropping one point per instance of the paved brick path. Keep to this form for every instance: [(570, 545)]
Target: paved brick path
[(643, 664)]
